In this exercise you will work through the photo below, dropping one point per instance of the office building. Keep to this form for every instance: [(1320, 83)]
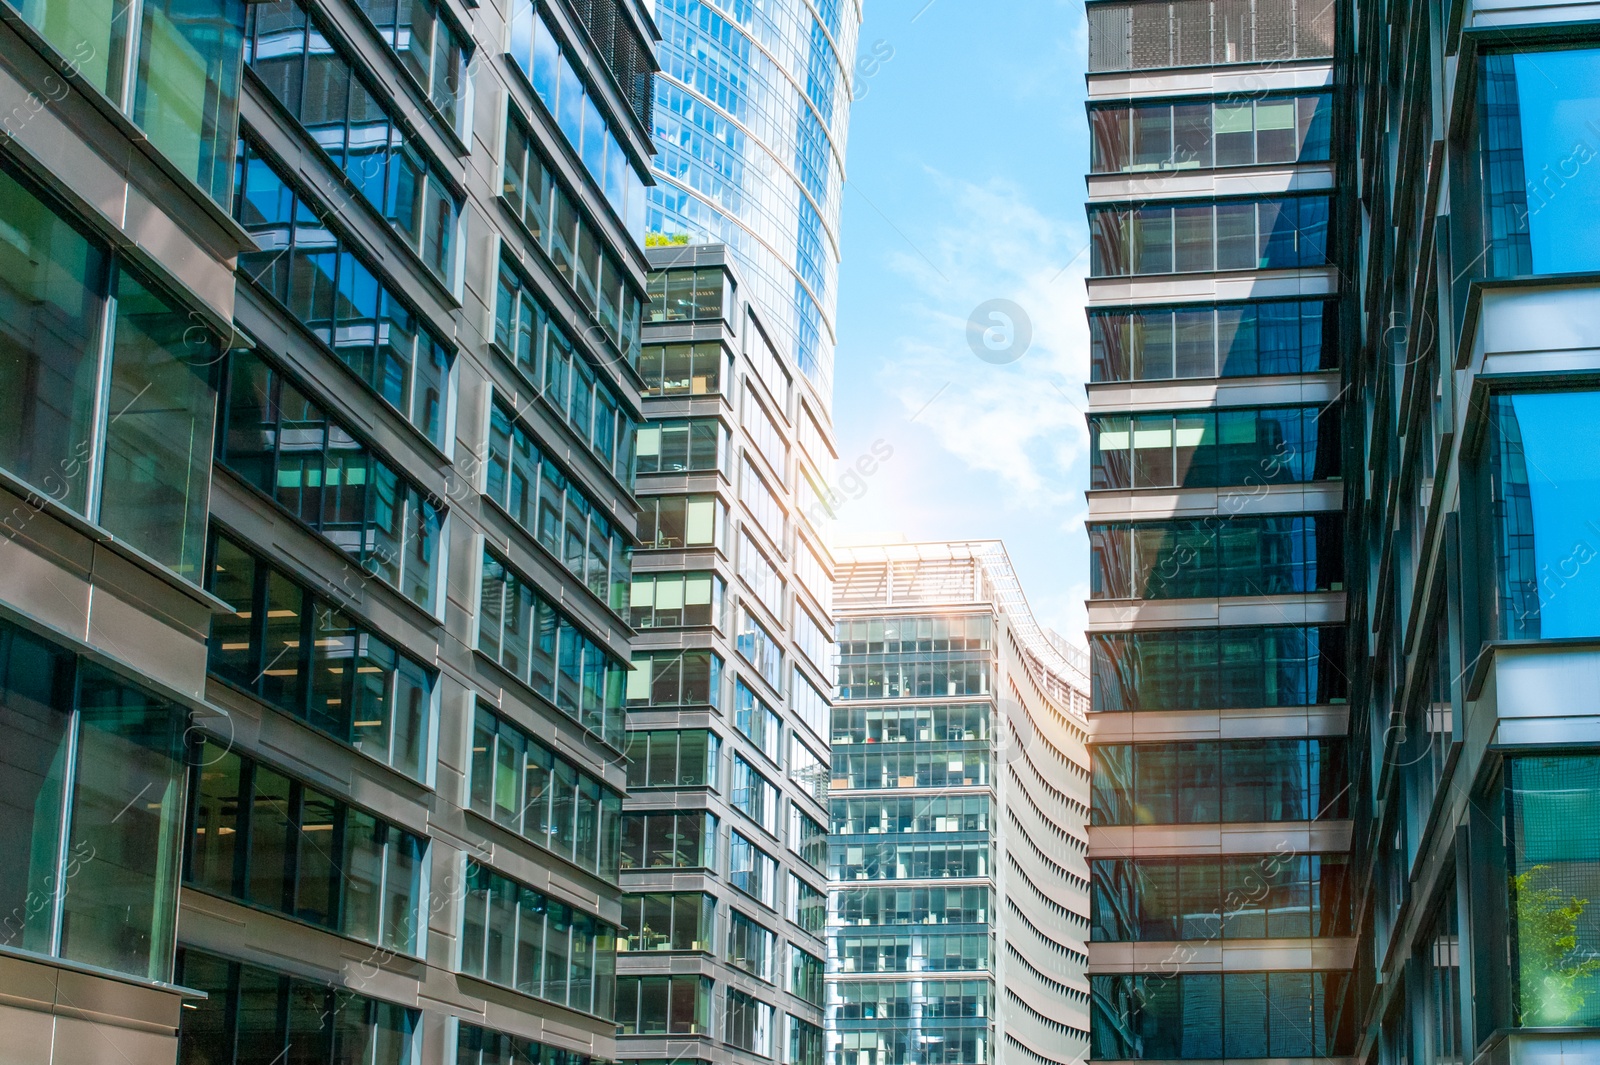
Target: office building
[(751, 111), (724, 838), (958, 905), (1467, 171), (1222, 807), (321, 368)]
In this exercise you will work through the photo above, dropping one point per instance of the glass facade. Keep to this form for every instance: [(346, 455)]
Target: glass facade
[(305, 655), (252, 1014), (880, 837), (309, 266), (749, 123), (521, 630), (278, 439), (517, 937), (1222, 1015), (1226, 782), (92, 810), (1190, 135), (520, 783), (86, 336), (266, 838), (291, 50), (1216, 556), (1534, 183), (1214, 449), (1212, 340), (1215, 669), (1186, 238), (1273, 896), (184, 59), (1544, 495)]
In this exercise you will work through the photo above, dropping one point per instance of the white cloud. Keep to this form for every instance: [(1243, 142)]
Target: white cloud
[(1023, 422)]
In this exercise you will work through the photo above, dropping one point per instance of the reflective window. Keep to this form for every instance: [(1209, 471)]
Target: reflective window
[(757, 721), (430, 48), (520, 628), (808, 769), (185, 84), (682, 369), (554, 509), (526, 333), (676, 600), (1551, 805), (752, 870), (664, 1005), (291, 51), (760, 648), (749, 1023), (750, 946), (762, 502), (1273, 896), (1219, 668), (1216, 556), (521, 783), (760, 574), (1212, 340), (764, 433), (251, 1014), (542, 56), (667, 522), (330, 288), (92, 811), (1150, 34), (1247, 1015), (1212, 449), (675, 678), (533, 193), (669, 840), (754, 795), (929, 950), (1158, 238), (682, 445), (808, 838), (805, 976), (1231, 131), (914, 906), (481, 1046), (687, 758), (806, 906), (809, 704), (307, 657), (668, 922), (1545, 493), (152, 441), (268, 839), (689, 295), (805, 1042), (1227, 782), (275, 437), (517, 937), (1536, 176)]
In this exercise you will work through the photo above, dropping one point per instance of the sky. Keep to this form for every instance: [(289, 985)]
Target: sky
[(964, 167)]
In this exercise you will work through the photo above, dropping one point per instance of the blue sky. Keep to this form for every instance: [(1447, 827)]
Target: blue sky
[(965, 172)]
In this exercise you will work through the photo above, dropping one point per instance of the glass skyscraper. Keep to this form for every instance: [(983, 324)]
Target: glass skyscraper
[(751, 109), (1221, 809), (958, 886)]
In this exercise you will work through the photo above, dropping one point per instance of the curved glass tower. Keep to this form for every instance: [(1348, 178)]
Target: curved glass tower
[(751, 111)]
